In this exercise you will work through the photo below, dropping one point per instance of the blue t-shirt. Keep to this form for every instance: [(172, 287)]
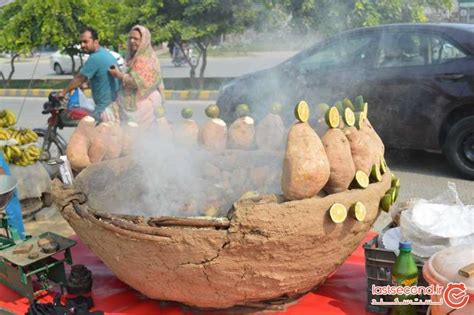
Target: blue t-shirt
[(104, 87)]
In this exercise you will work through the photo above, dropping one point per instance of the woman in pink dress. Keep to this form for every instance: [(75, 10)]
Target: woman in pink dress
[(142, 84)]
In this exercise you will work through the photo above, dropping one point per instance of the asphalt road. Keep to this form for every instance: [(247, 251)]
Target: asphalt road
[(423, 174), (39, 68)]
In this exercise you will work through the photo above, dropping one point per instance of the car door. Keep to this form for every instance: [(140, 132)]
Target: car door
[(331, 71), (415, 76)]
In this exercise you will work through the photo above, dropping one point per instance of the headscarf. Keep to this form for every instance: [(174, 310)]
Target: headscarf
[(143, 68)]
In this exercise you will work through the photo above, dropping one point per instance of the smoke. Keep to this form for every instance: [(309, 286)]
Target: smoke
[(185, 180)]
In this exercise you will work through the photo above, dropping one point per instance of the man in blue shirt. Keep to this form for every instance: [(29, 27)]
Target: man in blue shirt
[(104, 87)]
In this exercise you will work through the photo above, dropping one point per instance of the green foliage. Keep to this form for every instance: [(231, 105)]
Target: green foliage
[(199, 22), (330, 16), (27, 24)]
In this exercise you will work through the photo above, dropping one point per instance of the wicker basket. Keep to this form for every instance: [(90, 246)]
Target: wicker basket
[(265, 251)]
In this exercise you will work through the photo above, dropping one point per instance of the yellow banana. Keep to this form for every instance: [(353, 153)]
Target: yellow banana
[(16, 149), (33, 135), (32, 156), (8, 153), (10, 117)]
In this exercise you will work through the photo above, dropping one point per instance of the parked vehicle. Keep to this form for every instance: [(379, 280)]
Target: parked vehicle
[(61, 63), (418, 80), (52, 144), (178, 58)]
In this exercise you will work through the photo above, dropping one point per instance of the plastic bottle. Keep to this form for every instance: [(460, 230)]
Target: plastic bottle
[(404, 273)]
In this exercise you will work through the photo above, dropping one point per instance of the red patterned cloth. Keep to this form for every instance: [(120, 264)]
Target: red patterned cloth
[(343, 293)]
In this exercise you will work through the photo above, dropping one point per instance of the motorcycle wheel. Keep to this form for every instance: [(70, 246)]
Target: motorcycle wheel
[(53, 149)]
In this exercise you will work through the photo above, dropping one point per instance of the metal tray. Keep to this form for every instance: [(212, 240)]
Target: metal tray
[(22, 260)]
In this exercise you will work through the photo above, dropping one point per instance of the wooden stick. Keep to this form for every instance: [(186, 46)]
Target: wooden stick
[(191, 222)]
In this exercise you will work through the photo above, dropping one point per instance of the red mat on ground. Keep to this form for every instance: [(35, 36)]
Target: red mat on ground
[(343, 293)]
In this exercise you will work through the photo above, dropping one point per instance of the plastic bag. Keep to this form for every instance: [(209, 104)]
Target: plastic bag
[(85, 102), (438, 223), (79, 99)]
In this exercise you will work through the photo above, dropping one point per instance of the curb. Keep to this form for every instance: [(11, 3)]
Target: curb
[(176, 95)]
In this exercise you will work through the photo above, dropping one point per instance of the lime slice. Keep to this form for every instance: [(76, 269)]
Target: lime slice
[(392, 192), (395, 182), (365, 109), (397, 190), (323, 107), (347, 103), (212, 111), (276, 108), (361, 180), (359, 119), (242, 110), (339, 106), (302, 111), (383, 165), (187, 112), (375, 173), (359, 102), (359, 211), (338, 213), (386, 202), (332, 117), (349, 117)]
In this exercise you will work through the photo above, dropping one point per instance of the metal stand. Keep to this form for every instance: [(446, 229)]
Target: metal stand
[(19, 270)]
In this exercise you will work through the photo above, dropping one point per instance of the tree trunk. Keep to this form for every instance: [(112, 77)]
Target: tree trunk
[(73, 62), (192, 71), (203, 50), (203, 68), (12, 69)]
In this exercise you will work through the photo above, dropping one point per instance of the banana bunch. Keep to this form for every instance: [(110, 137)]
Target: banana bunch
[(22, 136), (15, 155), (12, 153), (7, 118), (5, 134)]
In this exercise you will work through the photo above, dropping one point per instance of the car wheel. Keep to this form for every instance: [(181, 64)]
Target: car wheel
[(459, 146), (58, 69)]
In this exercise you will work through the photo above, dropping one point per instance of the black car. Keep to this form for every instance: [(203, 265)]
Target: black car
[(418, 80)]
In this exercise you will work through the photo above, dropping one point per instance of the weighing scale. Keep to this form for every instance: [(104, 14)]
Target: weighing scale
[(32, 270)]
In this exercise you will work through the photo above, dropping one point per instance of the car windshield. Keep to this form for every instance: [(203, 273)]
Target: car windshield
[(339, 52)]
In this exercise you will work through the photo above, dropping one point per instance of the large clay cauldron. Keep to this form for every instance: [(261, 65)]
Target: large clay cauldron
[(265, 249)]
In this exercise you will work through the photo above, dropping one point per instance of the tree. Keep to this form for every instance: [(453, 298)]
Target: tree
[(330, 16), (198, 22), (27, 24)]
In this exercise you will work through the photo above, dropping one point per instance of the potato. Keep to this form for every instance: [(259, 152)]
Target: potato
[(186, 133), (241, 133), (114, 148), (379, 148), (213, 135), (270, 133), (306, 166), (78, 146), (338, 151), (99, 143), (362, 149)]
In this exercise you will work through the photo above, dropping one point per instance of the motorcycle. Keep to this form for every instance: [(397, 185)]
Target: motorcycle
[(52, 144), (178, 58)]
